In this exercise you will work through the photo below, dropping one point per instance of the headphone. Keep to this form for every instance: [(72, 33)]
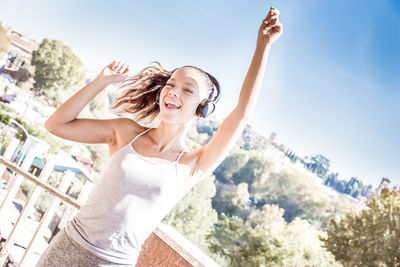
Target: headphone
[(205, 108)]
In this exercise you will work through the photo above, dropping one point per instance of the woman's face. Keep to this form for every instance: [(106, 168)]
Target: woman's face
[(186, 88)]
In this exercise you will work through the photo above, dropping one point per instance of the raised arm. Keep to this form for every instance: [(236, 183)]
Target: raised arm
[(222, 142), (64, 122)]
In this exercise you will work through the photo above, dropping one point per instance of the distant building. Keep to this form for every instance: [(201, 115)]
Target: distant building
[(272, 137), (19, 54), (384, 184)]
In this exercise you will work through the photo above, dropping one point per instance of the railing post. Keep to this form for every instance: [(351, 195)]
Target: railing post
[(16, 182), (12, 146), (27, 208), (44, 222)]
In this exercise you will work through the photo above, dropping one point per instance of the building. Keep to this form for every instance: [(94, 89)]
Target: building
[(19, 54), (384, 184), (272, 137)]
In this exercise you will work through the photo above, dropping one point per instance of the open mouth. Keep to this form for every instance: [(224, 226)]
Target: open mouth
[(171, 106)]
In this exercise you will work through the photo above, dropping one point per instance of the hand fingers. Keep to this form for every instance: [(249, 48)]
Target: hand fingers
[(126, 70), (272, 21), (115, 65), (272, 17), (120, 67), (272, 12), (111, 64), (271, 24), (276, 28)]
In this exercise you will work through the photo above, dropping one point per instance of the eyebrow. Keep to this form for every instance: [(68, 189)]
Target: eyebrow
[(192, 84)]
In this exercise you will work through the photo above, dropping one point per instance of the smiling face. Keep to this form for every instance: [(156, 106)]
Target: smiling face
[(181, 95)]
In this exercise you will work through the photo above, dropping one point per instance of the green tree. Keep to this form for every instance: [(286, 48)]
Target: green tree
[(194, 216), (267, 240), (57, 69), (231, 164), (4, 40), (318, 164), (300, 196), (353, 187), (233, 202), (369, 237), (23, 75), (254, 168), (282, 147), (5, 90), (208, 125)]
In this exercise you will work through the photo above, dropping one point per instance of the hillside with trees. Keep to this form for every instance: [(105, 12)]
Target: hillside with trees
[(262, 208)]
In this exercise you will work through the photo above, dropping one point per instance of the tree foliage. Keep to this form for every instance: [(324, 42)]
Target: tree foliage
[(194, 216), (231, 164), (369, 237), (252, 171), (233, 202), (317, 164), (207, 125), (301, 196), (57, 69), (23, 75), (354, 187), (267, 240)]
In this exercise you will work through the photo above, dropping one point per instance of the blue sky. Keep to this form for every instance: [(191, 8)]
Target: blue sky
[(332, 84)]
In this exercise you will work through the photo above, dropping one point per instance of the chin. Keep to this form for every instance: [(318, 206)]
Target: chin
[(175, 119)]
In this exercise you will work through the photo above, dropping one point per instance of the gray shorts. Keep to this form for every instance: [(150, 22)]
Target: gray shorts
[(64, 251)]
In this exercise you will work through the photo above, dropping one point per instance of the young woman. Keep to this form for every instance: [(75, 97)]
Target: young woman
[(148, 171)]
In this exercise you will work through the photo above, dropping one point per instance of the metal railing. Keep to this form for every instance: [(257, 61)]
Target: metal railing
[(164, 242), (40, 185)]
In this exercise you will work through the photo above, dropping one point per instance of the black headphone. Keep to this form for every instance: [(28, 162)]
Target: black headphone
[(205, 108)]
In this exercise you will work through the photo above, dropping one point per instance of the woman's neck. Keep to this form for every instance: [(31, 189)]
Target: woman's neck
[(169, 137)]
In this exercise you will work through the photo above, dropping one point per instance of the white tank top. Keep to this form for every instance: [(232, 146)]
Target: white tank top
[(131, 196)]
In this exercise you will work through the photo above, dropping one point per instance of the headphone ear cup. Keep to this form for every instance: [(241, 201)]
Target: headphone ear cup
[(205, 108), (208, 109)]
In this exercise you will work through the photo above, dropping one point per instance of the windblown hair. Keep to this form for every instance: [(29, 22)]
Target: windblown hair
[(139, 95)]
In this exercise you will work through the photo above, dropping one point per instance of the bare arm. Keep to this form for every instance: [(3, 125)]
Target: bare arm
[(64, 123), (214, 152)]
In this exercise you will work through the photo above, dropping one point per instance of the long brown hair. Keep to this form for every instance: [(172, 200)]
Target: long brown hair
[(139, 95)]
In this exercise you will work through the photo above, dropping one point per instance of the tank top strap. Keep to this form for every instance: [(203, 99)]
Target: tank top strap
[(145, 131), (180, 155)]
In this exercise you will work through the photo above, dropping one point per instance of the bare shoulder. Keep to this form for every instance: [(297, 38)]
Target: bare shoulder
[(125, 130)]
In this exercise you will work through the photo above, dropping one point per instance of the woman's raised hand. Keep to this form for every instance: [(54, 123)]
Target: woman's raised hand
[(271, 28), (114, 72)]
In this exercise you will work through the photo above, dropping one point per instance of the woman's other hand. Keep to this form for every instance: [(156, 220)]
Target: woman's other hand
[(271, 28), (114, 72)]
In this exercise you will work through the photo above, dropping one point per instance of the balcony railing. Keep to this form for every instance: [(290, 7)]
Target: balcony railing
[(164, 247)]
